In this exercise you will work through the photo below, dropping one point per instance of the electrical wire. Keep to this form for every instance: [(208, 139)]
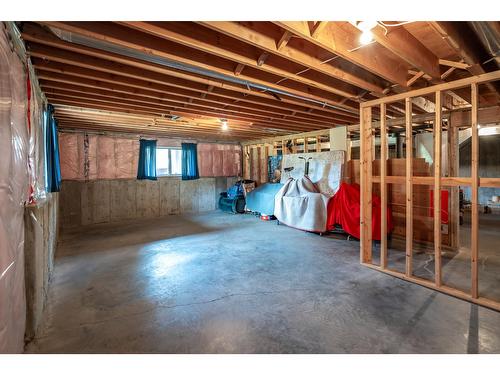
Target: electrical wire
[(395, 24)]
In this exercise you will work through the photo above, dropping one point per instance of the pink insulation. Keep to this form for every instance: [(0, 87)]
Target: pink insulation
[(71, 149), (90, 157), (126, 158), (205, 159), (14, 192), (105, 157), (217, 160)]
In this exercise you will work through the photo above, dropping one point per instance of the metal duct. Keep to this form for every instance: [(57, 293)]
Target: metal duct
[(489, 37), (129, 52)]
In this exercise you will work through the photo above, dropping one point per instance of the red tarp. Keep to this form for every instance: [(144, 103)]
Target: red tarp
[(344, 208)]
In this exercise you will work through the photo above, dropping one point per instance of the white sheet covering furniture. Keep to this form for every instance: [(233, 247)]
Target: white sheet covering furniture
[(300, 205)]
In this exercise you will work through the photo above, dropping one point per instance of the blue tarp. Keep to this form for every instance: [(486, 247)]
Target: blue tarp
[(261, 199)]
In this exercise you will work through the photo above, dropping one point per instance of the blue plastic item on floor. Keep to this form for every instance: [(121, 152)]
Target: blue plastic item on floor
[(261, 199)]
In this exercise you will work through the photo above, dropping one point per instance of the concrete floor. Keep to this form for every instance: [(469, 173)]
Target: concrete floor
[(220, 283), (456, 266)]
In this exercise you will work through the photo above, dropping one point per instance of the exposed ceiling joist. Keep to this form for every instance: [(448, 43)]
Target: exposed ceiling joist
[(296, 84), (337, 40), (245, 33), (89, 58), (404, 45)]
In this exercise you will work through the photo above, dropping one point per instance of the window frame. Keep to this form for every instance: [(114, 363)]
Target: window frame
[(169, 173)]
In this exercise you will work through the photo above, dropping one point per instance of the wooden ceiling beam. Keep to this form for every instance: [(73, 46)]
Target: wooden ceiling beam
[(108, 108), (337, 40), (268, 43), (158, 83), (404, 45), (125, 117), (132, 99), (169, 110), (200, 55), (48, 46), (465, 45), (182, 126), (318, 28), (187, 34), (177, 132), (455, 38), (54, 80), (89, 78)]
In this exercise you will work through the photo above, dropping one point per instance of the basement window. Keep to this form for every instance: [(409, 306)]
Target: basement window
[(168, 161)]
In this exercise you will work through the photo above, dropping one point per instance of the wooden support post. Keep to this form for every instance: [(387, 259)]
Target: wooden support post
[(437, 190), (246, 166), (294, 146), (366, 185), (283, 147), (409, 188), (349, 150), (260, 164), (274, 149), (318, 143), (264, 153), (383, 187), (306, 145), (453, 164), (399, 146), (474, 193)]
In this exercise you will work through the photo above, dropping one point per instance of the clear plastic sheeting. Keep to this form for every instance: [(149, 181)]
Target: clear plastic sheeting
[(14, 187), (36, 145)]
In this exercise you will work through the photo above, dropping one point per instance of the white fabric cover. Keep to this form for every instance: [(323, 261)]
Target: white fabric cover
[(300, 205), (325, 169)]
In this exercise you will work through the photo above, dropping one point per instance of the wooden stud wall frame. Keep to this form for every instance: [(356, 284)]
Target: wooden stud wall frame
[(270, 146), (367, 127)]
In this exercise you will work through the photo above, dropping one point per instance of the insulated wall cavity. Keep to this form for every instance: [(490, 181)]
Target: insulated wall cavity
[(14, 186)]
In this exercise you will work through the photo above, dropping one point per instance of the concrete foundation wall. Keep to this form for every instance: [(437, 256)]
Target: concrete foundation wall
[(103, 201), (40, 241)]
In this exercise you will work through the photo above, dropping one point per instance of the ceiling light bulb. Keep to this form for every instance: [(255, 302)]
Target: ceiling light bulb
[(366, 37), (366, 25), (224, 126)]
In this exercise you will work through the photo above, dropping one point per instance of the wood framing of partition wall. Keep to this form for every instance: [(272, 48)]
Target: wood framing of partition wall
[(255, 153), (438, 181)]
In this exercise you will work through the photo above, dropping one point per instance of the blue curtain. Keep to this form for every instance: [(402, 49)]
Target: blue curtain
[(190, 161), (52, 161), (147, 160)]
